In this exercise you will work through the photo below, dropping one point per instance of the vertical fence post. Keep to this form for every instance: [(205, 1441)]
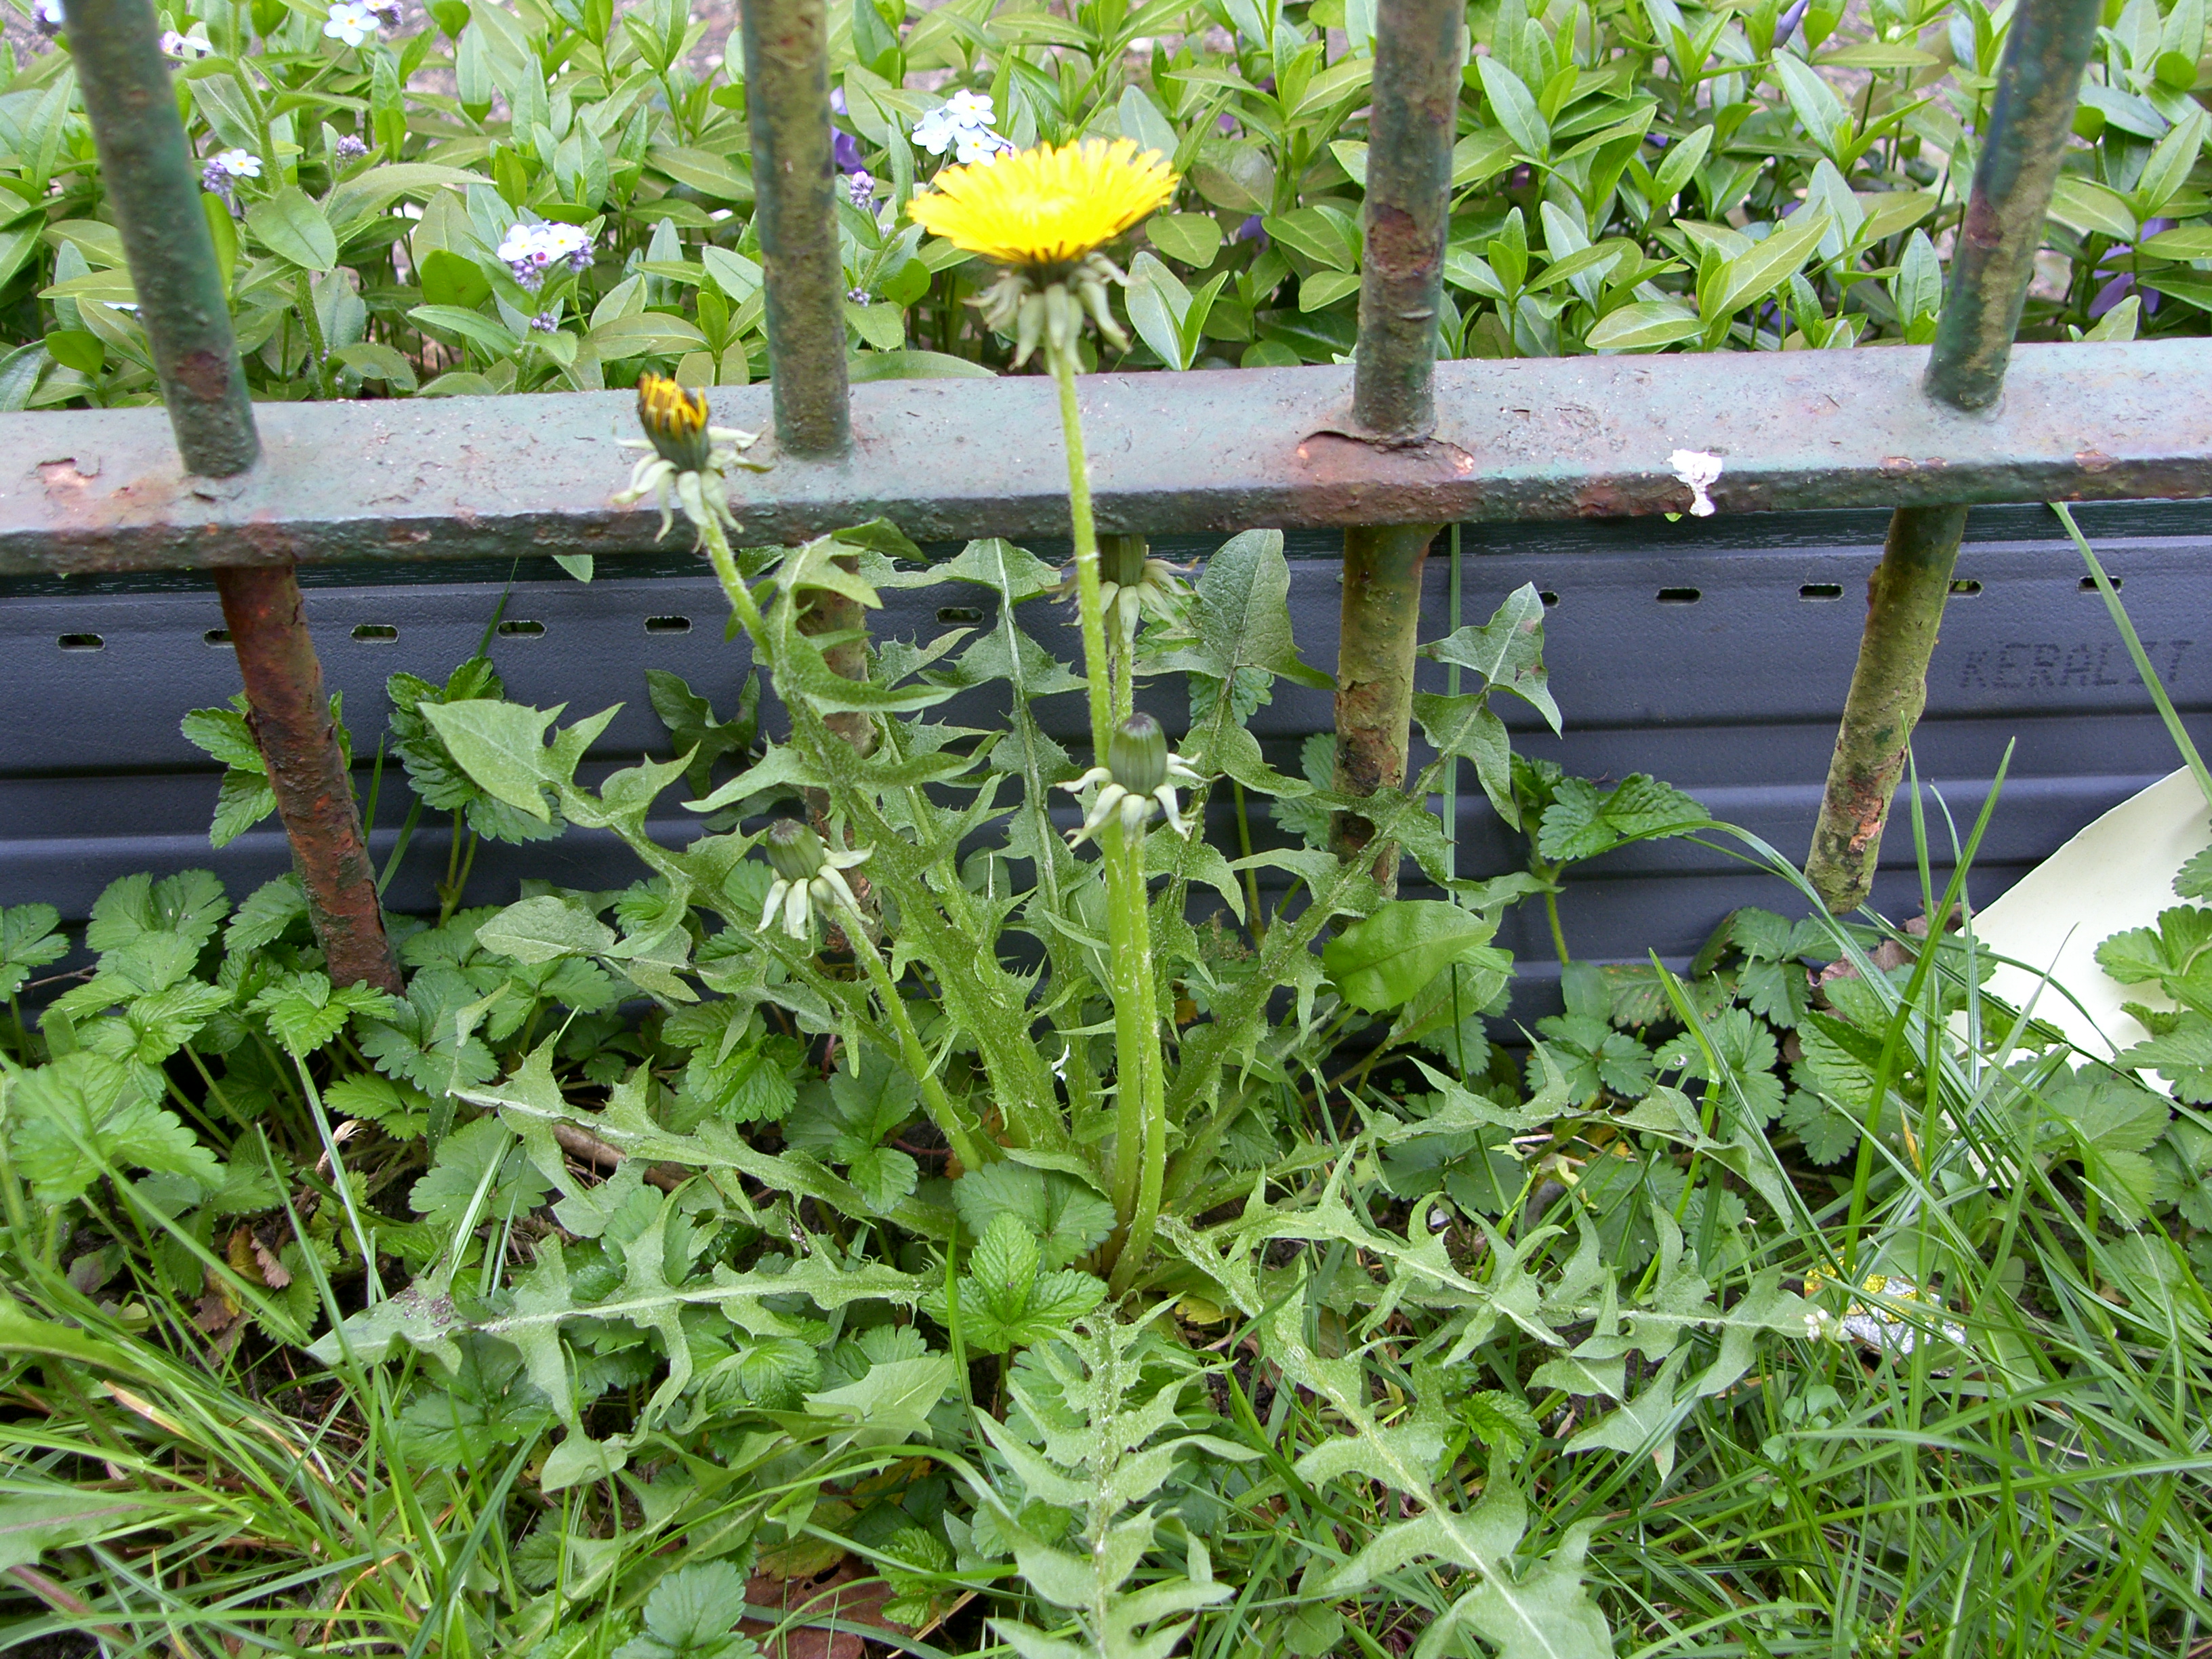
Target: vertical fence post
[(2030, 120), (795, 177), (147, 170), (1415, 112)]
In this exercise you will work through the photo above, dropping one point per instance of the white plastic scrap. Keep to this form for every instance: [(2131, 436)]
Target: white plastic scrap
[(1700, 470), (1874, 1326)]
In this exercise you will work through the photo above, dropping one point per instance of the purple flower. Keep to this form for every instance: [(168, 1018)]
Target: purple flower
[(845, 149), (862, 186), (837, 100), (859, 296), (2125, 283), (1251, 231), (1786, 25), (545, 323), (347, 149)]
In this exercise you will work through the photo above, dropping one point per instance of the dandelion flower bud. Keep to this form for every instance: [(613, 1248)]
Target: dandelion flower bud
[(794, 850), (1138, 755)]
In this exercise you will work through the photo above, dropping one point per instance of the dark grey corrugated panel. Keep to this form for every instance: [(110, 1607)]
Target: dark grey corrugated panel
[(1732, 694)]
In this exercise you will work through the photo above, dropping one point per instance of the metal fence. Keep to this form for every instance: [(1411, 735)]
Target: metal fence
[(1386, 449)]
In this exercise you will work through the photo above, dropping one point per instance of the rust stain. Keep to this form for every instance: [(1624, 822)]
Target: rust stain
[(206, 374)]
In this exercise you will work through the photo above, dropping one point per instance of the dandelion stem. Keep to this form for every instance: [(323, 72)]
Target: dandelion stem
[(1096, 670), (734, 585), (968, 1146)]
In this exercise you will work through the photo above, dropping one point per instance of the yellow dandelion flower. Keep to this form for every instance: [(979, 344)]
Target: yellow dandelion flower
[(1045, 207)]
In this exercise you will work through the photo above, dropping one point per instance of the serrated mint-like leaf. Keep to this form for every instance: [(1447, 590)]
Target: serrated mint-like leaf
[(305, 1011), (2171, 950), (223, 734), (242, 801), (1006, 1301), (29, 939), (72, 1121), (189, 905), (693, 1613), (2182, 1056), (482, 1155), (1642, 808), (1067, 1218), (269, 911), (401, 1111), (693, 729), (2194, 878)]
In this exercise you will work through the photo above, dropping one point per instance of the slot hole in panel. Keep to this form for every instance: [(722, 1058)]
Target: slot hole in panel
[(217, 638), (668, 624), (1821, 591), (81, 642), (521, 630), (1679, 595), (1965, 588), (2089, 583), (376, 633), (958, 613)]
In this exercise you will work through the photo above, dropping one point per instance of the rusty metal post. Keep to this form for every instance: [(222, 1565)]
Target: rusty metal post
[(2031, 119), (147, 168), (1416, 109), (795, 176), (1394, 393)]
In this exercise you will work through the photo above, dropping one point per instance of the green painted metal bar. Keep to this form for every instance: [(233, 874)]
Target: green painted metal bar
[(2031, 122), (426, 479), (1414, 120), (148, 169), (795, 176), (1416, 93)]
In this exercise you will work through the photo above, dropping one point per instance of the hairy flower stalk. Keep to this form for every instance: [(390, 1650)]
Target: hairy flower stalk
[(807, 874), (1043, 216)]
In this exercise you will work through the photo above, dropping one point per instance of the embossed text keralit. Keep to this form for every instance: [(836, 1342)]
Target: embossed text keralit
[(2050, 665)]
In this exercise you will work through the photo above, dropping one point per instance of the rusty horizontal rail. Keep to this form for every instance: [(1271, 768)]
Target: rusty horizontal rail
[(947, 459)]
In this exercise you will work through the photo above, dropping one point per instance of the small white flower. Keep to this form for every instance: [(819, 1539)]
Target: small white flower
[(1698, 469), (185, 46), (963, 123), (49, 17), (530, 250), (352, 22), (985, 147)]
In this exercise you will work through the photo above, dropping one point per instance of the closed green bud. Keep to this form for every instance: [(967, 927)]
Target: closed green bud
[(794, 850), (1137, 756), (1121, 560)]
